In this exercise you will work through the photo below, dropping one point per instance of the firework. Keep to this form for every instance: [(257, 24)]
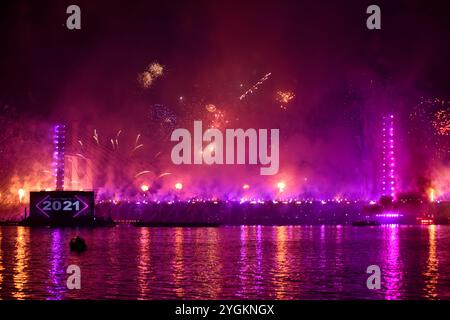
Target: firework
[(145, 79), (142, 173), (431, 194), (137, 139), (255, 86), (281, 186), (218, 120), (154, 71), (441, 122), (164, 116), (210, 108), (21, 193), (163, 175), (284, 97), (137, 147), (81, 156), (95, 136), (144, 187), (178, 186)]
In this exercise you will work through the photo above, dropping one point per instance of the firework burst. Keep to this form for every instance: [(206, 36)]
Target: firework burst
[(441, 122), (284, 97), (153, 71)]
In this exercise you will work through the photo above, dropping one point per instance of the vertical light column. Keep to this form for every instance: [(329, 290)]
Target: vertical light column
[(59, 136), (388, 169)]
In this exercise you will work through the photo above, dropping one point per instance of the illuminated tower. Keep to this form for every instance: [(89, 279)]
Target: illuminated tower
[(59, 137), (388, 157)]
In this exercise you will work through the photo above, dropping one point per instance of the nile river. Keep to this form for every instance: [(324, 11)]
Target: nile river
[(253, 262)]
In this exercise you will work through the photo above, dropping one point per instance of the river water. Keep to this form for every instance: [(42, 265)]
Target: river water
[(251, 262)]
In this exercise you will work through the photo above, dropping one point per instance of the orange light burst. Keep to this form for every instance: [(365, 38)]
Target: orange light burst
[(21, 193), (431, 194), (281, 186), (178, 186)]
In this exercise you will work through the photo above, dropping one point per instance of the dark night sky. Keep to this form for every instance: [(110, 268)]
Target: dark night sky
[(310, 43), (343, 75)]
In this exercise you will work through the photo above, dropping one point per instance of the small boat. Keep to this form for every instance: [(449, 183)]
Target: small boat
[(366, 223), (78, 244)]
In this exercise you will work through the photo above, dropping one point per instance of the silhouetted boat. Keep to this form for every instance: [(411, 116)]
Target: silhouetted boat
[(78, 244)]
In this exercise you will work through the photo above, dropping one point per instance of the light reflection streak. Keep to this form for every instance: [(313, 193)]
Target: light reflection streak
[(259, 260), (431, 272), (56, 266), (393, 269), (144, 263), (281, 263), (1, 262), (214, 265), (338, 261), (243, 262), (20, 276), (178, 263), (113, 277)]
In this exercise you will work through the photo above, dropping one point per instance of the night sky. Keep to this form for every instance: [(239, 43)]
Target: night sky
[(344, 77)]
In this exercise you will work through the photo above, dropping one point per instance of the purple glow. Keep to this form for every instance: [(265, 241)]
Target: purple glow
[(58, 156), (388, 125), (389, 215)]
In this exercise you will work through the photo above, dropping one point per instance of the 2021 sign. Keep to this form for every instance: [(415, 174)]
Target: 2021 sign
[(56, 205), (61, 204)]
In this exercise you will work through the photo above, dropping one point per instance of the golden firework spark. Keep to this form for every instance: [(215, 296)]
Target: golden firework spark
[(95, 136), (219, 120), (210, 108), (137, 139), (155, 69), (255, 86), (163, 175), (145, 79), (141, 173), (284, 97), (441, 122), (137, 147)]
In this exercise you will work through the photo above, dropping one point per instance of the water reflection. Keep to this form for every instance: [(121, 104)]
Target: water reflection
[(259, 275), (281, 263), (243, 262), (227, 263), (393, 269), (21, 258), (1, 261), (56, 265), (214, 265), (431, 272), (178, 262), (144, 262), (339, 265)]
